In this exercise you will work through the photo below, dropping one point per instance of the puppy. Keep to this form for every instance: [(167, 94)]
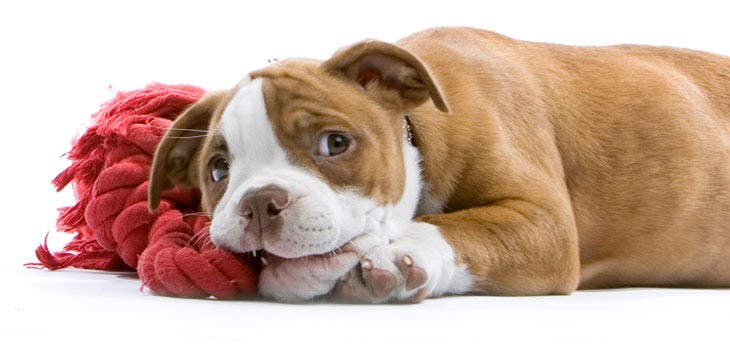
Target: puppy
[(461, 161)]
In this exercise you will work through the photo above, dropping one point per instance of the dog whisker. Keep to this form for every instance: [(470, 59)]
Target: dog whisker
[(198, 132), (203, 131), (200, 213), (358, 250), (188, 137), (201, 239), (193, 241)]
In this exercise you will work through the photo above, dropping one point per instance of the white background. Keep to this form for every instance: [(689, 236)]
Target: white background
[(59, 60)]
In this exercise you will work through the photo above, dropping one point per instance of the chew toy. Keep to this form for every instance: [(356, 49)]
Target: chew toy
[(170, 248)]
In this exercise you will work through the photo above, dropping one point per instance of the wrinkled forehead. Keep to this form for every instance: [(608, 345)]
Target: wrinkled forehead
[(287, 91), (301, 85), (282, 85)]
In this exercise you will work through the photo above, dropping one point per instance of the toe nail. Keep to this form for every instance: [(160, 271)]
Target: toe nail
[(407, 260), (367, 264)]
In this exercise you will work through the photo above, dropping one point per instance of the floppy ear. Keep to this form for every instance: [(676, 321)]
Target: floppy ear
[(175, 162), (381, 67)]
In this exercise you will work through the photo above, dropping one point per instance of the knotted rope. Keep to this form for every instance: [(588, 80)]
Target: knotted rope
[(170, 248)]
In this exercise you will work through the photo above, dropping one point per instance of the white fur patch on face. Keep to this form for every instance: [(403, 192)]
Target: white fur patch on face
[(319, 219)]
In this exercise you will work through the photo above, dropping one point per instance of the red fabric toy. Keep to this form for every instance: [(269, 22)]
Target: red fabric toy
[(170, 248)]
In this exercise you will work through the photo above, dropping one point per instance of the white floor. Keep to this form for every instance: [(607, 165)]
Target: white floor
[(63, 58), (79, 309)]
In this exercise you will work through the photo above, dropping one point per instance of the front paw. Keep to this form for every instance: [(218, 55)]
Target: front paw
[(420, 264), (385, 275)]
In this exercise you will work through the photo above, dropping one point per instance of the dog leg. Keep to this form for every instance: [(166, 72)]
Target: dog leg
[(515, 246), (511, 247)]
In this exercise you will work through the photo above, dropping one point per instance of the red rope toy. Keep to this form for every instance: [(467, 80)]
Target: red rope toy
[(170, 248)]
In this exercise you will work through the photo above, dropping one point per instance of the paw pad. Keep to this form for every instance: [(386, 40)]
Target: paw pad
[(415, 276), (382, 283)]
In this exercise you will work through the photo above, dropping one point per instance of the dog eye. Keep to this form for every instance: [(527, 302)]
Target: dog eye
[(218, 169), (332, 144)]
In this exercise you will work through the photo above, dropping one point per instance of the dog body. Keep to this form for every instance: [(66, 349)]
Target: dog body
[(537, 168)]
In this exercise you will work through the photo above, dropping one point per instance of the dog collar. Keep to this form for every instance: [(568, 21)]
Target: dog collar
[(408, 130)]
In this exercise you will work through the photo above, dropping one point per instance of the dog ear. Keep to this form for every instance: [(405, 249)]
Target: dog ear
[(381, 68), (175, 162)]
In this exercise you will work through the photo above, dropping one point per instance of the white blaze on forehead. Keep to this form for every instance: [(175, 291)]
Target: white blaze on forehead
[(248, 131)]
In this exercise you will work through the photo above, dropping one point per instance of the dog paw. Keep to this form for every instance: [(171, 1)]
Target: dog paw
[(418, 265), (384, 275), (407, 270)]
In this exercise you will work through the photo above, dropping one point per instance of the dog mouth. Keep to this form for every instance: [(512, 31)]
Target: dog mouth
[(269, 259)]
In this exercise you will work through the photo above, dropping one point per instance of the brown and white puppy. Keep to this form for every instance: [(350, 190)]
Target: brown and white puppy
[(538, 168)]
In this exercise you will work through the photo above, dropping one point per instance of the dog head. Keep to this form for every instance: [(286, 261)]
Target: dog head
[(302, 156)]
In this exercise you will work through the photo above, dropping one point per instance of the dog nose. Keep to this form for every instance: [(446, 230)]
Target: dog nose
[(263, 205)]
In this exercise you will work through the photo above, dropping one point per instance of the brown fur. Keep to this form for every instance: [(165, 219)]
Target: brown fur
[(558, 167), (617, 155)]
